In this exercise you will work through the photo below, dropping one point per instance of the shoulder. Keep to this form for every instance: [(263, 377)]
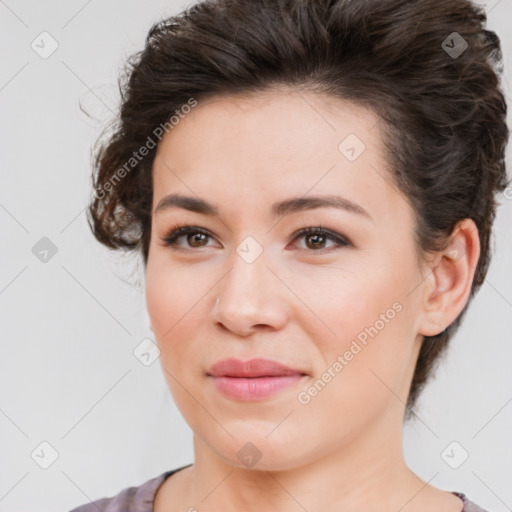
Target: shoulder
[(134, 499), (469, 506)]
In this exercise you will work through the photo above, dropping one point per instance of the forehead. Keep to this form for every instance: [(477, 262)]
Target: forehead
[(271, 124), (249, 150)]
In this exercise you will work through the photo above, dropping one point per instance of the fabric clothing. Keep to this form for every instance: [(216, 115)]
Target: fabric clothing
[(141, 498)]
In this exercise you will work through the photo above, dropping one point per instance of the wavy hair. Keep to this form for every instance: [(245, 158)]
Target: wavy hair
[(428, 68)]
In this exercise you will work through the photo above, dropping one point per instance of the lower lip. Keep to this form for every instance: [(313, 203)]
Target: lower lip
[(254, 388)]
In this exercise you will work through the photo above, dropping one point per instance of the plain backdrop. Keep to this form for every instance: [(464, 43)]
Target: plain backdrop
[(73, 396)]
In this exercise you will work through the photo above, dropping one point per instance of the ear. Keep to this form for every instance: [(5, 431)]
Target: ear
[(447, 287)]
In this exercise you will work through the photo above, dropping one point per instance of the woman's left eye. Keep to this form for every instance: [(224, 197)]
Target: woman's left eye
[(322, 234), (317, 236)]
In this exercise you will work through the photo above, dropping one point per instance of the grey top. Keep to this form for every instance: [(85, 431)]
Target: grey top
[(141, 498)]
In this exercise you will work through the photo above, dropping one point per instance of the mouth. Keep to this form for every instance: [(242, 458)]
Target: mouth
[(255, 379)]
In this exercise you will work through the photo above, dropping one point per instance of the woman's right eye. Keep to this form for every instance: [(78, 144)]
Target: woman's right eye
[(181, 231)]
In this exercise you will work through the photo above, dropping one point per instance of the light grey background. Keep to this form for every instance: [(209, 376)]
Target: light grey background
[(68, 375)]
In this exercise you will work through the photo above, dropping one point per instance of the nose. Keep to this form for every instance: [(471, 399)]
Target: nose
[(250, 298)]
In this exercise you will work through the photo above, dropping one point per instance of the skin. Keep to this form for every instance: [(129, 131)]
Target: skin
[(301, 302)]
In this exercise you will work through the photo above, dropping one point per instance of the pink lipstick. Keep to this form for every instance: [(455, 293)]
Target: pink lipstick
[(255, 379)]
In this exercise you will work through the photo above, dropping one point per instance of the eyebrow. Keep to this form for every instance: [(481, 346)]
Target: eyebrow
[(279, 209)]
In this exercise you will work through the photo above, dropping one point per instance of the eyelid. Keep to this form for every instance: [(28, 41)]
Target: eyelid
[(340, 239), (179, 231)]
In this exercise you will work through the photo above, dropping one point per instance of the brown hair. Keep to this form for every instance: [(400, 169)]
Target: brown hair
[(428, 68)]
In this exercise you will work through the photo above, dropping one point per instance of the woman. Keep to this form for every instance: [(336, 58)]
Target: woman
[(311, 185)]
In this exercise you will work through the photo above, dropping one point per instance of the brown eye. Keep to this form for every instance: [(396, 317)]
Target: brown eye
[(318, 238), (316, 241), (195, 236)]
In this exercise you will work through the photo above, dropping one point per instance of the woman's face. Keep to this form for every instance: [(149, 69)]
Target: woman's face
[(342, 309)]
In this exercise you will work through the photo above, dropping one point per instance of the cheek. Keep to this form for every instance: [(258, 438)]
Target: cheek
[(350, 304), (161, 301), (360, 380), (170, 294), (372, 317), (169, 310), (176, 306)]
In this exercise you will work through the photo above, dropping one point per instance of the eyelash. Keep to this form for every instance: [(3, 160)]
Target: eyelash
[(178, 231)]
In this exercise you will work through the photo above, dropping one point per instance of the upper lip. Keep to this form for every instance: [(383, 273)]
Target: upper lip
[(258, 367)]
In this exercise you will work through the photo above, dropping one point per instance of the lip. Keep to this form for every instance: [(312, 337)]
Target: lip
[(254, 379), (258, 367)]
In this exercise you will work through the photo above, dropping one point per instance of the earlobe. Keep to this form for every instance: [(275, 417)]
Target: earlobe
[(448, 285)]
